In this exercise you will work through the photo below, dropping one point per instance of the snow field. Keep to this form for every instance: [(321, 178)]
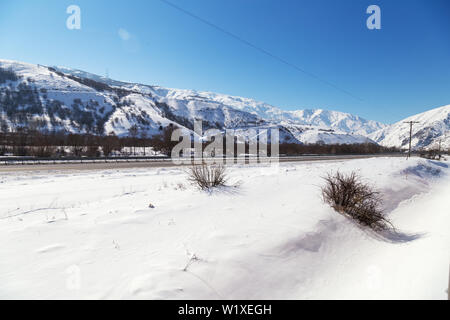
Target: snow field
[(92, 235)]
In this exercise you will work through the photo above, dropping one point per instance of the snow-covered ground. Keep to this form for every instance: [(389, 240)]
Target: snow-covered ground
[(92, 235)]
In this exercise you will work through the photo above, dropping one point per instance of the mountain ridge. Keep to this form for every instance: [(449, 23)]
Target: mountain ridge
[(433, 127), (261, 109), (59, 98)]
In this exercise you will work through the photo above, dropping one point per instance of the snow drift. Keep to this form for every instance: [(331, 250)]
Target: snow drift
[(92, 235)]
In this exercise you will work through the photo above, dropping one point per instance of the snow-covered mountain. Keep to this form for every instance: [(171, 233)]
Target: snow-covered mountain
[(58, 98), (433, 126), (324, 119)]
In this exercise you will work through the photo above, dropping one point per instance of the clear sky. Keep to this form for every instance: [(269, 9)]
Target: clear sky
[(383, 75)]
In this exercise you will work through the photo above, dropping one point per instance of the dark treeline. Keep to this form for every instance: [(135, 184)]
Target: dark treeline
[(320, 148), (62, 144), (34, 143), (433, 154)]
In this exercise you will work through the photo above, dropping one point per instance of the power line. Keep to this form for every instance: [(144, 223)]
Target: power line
[(264, 51), (267, 53)]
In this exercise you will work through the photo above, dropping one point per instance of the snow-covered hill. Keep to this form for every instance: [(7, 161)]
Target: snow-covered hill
[(433, 126), (58, 98)]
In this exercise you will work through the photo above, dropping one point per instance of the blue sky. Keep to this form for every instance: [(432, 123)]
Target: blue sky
[(391, 73)]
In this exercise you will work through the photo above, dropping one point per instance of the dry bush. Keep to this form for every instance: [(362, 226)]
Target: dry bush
[(207, 176), (348, 195)]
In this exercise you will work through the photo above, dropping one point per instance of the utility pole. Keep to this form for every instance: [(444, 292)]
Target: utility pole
[(410, 135)]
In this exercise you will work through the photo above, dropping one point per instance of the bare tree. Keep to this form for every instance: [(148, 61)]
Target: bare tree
[(109, 144), (133, 132), (144, 140), (163, 142), (76, 142)]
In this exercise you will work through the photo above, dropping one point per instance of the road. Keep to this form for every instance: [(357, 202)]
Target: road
[(158, 164)]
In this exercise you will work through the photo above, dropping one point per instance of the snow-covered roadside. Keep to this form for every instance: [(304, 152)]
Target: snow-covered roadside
[(92, 235)]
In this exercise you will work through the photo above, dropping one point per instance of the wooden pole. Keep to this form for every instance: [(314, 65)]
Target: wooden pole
[(410, 135)]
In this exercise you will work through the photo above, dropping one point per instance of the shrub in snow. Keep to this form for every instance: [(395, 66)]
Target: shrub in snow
[(348, 195), (207, 176)]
